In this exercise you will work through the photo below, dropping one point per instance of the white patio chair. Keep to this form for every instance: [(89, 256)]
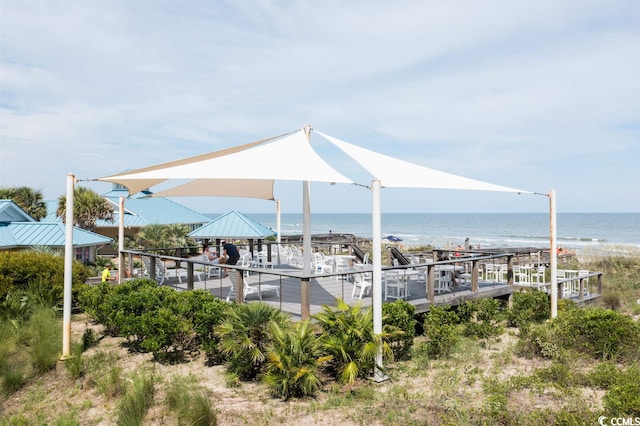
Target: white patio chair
[(490, 272), (250, 289), (520, 275), (395, 285), (583, 274), (442, 282), (361, 282), (160, 270), (538, 275)]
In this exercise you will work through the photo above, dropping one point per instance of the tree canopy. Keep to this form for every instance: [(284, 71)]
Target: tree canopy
[(88, 207), (28, 199)]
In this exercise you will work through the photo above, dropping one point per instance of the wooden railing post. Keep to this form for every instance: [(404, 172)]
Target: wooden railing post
[(152, 267), (475, 268), (239, 285), (189, 276), (431, 280), (510, 270), (600, 284), (305, 306)]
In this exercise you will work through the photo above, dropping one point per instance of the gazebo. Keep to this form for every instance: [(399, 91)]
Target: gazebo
[(233, 225)]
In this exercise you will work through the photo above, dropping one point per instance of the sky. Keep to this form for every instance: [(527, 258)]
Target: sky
[(535, 95)]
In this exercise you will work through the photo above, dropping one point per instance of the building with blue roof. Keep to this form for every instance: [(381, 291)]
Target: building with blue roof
[(19, 231), (140, 210)]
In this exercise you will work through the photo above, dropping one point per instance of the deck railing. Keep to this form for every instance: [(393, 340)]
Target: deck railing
[(183, 274)]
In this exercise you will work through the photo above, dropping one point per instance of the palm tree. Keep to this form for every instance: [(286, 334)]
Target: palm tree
[(153, 236), (28, 199), (293, 360), (244, 337), (88, 207), (348, 337), (176, 234)]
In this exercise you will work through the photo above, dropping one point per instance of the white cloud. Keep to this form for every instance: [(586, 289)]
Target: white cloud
[(510, 93)]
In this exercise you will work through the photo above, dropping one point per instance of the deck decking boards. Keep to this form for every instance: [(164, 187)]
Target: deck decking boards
[(324, 290)]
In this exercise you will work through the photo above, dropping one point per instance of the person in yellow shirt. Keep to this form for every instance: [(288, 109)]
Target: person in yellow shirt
[(106, 274)]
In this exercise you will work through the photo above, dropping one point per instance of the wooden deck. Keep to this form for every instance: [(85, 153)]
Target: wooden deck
[(324, 290)]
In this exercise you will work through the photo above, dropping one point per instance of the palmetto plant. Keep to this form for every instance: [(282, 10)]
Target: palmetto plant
[(244, 337), (349, 339), (293, 360)]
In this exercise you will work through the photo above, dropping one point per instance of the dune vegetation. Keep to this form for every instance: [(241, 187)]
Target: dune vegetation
[(144, 354)]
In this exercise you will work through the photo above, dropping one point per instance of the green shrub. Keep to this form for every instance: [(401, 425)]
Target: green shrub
[(599, 333), (441, 331), (559, 373), (603, 376), (399, 323), (528, 307), (348, 338), (92, 299), (18, 269), (623, 397), (204, 312), (481, 318), (293, 359), (156, 319), (152, 321), (537, 340)]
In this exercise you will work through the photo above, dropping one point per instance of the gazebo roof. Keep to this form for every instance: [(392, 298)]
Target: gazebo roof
[(232, 225)]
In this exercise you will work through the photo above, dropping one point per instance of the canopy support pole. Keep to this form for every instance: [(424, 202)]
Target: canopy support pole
[(121, 241), (553, 253), (68, 269), (278, 237), (376, 246)]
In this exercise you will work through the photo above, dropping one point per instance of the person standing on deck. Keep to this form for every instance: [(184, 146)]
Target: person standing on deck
[(230, 251)]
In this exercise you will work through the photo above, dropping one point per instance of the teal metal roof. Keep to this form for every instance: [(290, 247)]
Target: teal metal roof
[(10, 212), (232, 225), (18, 229), (52, 207), (27, 234), (140, 210)]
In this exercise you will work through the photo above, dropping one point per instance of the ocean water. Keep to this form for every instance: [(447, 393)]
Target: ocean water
[(577, 231)]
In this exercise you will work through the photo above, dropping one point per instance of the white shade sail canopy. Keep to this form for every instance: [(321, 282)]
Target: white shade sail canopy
[(395, 173), (245, 188), (290, 157)]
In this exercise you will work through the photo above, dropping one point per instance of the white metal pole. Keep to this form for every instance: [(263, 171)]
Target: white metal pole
[(306, 227), (278, 237), (121, 242), (68, 269), (278, 224), (553, 253), (376, 247)]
